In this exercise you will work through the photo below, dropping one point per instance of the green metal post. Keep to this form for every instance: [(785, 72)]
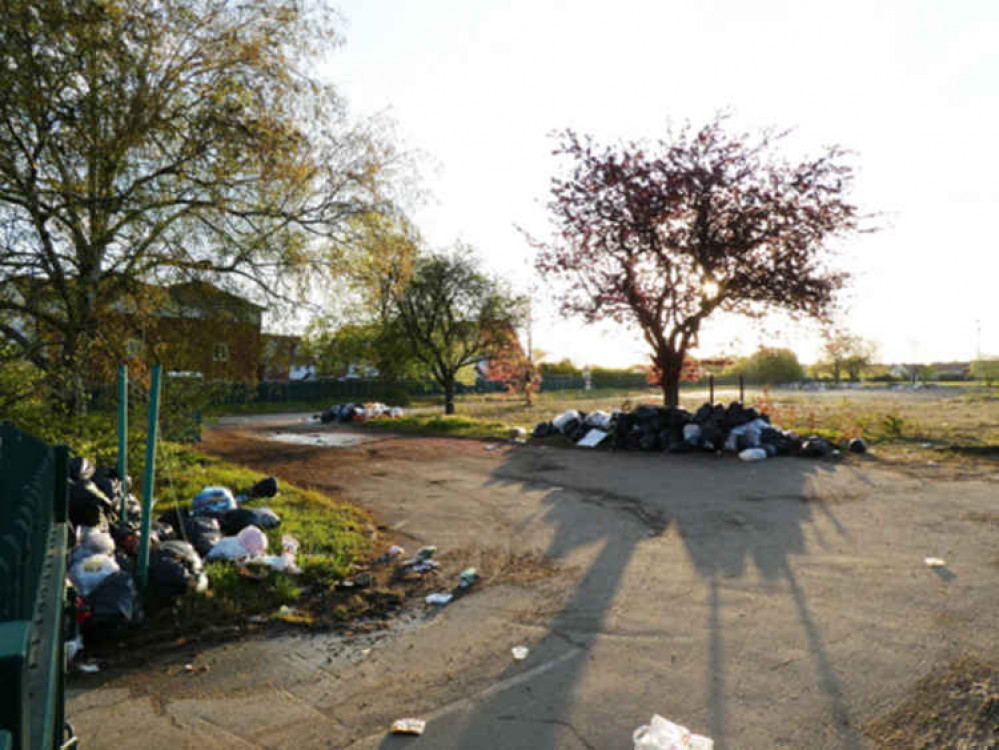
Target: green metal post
[(123, 435), (147, 477)]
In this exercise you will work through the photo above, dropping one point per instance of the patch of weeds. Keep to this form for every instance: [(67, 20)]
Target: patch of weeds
[(893, 425)]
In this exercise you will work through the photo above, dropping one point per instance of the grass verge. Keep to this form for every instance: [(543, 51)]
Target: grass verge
[(334, 537)]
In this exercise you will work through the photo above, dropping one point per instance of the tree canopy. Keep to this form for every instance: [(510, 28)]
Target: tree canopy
[(146, 142), (663, 236), (451, 314), (845, 352), (770, 365)]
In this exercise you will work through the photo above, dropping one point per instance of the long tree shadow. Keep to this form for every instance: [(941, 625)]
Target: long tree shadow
[(723, 530)]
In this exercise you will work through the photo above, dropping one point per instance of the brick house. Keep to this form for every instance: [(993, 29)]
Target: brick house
[(193, 328)]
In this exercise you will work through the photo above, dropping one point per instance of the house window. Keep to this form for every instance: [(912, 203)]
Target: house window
[(221, 352)]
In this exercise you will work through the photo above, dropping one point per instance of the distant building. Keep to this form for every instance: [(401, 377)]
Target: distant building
[(282, 358), (952, 370), (193, 328)]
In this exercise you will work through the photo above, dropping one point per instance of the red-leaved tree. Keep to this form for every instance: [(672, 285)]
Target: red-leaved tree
[(662, 238)]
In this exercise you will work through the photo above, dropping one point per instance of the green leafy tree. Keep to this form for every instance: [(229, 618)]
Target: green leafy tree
[(157, 141), (769, 365), (362, 331), (845, 353), (986, 369), (448, 314)]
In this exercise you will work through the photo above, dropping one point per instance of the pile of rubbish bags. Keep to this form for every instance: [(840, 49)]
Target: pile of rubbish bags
[(713, 427), (359, 412), (103, 560)]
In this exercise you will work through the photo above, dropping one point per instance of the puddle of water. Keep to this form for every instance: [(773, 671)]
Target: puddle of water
[(326, 439)]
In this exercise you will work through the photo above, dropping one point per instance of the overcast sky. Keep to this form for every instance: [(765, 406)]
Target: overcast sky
[(910, 86)]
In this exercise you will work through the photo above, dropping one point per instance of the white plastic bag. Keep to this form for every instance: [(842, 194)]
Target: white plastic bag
[(253, 540), (564, 418), (286, 560), (692, 433), (592, 439), (228, 548), (663, 734), (90, 571), (96, 541), (753, 454), (599, 419)]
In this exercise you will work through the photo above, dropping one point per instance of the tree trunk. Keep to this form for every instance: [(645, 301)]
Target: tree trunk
[(671, 366), (449, 394)]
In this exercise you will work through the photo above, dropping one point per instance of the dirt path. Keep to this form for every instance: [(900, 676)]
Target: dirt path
[(781, 604)]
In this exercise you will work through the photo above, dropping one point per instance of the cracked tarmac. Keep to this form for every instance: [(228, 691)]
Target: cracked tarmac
[(779, 604)]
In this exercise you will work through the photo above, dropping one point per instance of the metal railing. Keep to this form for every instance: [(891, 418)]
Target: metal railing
[(33, 541)]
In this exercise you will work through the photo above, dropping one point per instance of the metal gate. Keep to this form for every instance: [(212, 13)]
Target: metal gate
[(33, 539)]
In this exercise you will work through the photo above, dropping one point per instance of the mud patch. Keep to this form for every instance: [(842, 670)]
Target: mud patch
[(325, 439), (957, 707)]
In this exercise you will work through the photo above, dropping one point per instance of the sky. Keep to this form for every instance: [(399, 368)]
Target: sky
[(476, 88)]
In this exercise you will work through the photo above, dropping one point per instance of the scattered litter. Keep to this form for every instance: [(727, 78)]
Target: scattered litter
[(96, 541), (264, 488), (113, 606), (518, 433), (927, 445), (284, 609), (228, 548), (408, 726), (89, 668), (360, 412), (365, 651), (520, 652), (394, 551), (284, 562), (439, 599), (663, 734), (593, 438), (234, 521), (423, 566), (753, 454), (425, 553), (931, 463), (188, 667), (712, 428), (362, 580), (469, 577), (253, 540), (87, 574), (73, 647), (212, 500), (599, 419), (857, 445), (935, 562), (491, 446), (174, 568)]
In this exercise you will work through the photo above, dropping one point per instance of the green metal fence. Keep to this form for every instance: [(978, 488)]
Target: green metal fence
[(33, 540)]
